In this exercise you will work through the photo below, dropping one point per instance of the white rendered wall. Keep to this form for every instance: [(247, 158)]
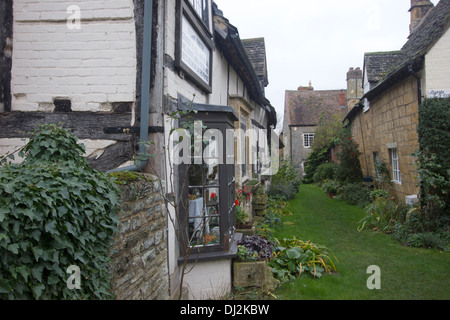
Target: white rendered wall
[(92, 66), (437, 66)]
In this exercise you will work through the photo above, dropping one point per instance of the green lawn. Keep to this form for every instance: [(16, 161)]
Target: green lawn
[(406, 273)]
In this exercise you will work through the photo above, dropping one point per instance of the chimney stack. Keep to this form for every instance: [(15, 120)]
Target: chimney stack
[(354, 86), (419, 8), (309, 88)]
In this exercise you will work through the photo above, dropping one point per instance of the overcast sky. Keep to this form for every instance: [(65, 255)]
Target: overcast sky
[(318, 40)]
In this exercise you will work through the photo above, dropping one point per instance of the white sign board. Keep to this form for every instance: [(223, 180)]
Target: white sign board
[(194, 52)]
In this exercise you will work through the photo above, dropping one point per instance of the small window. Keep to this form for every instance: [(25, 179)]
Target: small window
[(201, 8), (396, 177), (308, 138)]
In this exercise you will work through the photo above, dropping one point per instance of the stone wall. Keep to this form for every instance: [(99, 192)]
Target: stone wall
[(299, 152), (391, 121), (140, 253)]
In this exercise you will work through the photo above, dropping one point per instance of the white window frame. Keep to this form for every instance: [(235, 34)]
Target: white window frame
[(308, 138), (396, 174)]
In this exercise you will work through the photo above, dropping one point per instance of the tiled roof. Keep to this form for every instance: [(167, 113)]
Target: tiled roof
[(303, 107)]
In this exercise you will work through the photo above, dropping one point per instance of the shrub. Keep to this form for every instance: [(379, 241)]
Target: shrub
[(355, 193), (433, 162), (55, 212), (325, 171), (330, 187), (315, 158), (286, 192), (287, 175), (349, 169)]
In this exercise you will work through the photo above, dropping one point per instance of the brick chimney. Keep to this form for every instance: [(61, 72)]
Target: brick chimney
[(309, 88), (419, 8)]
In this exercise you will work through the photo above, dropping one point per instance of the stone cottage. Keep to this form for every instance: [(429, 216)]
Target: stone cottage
[(303, 109), (385, 121), (119, 77)]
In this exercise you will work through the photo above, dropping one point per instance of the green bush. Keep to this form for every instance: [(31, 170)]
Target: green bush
[(314, 160), (286, 192), (349, 168), (380, 215), (325, 171), (285, 183), (433, 162), (330, 186), (355, 193), (55, 212)]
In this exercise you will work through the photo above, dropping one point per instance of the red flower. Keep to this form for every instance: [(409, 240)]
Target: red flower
[(213, 195), (236, 203)]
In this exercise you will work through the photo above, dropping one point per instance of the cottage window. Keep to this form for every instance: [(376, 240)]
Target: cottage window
[(201, 8), (396, 177), (208, 186), (308, 139), (194, 42)]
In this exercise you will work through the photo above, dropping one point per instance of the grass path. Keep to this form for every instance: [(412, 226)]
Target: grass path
[(406, 273)]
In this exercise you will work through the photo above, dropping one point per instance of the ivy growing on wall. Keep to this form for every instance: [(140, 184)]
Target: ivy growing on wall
[(55, 212), (433, 162)]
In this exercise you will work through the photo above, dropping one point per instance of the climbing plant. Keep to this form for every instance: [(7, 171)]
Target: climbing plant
[(433, 162), (56, 212)]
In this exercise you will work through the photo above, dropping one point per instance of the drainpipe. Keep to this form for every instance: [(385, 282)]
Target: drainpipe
[(419, 101), (419, 84), (145, 88)]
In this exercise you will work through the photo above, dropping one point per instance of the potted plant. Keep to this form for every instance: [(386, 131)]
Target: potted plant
[(243, 225), (251, 265), (249, 186), (330, 187)]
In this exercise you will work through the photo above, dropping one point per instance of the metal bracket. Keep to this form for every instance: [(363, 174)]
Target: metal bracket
[(128, 130)]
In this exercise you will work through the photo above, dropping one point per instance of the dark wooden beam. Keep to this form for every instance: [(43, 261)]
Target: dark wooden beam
[(85, 125)]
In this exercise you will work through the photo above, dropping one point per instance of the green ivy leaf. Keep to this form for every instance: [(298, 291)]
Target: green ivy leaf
[(37, 272), (37, 290), (37, 252), (51, 228), (14, 248), (5, 286), (3, 212)]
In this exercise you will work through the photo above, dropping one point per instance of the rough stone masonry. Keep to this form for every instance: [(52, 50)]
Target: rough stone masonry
[(140, 253)]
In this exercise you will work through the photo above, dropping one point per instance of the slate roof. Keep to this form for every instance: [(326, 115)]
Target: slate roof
[(378, 64), (435, 23), (256, 51), (303, 107)]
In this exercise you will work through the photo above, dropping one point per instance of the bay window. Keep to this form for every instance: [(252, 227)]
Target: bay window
[(207, 185)]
